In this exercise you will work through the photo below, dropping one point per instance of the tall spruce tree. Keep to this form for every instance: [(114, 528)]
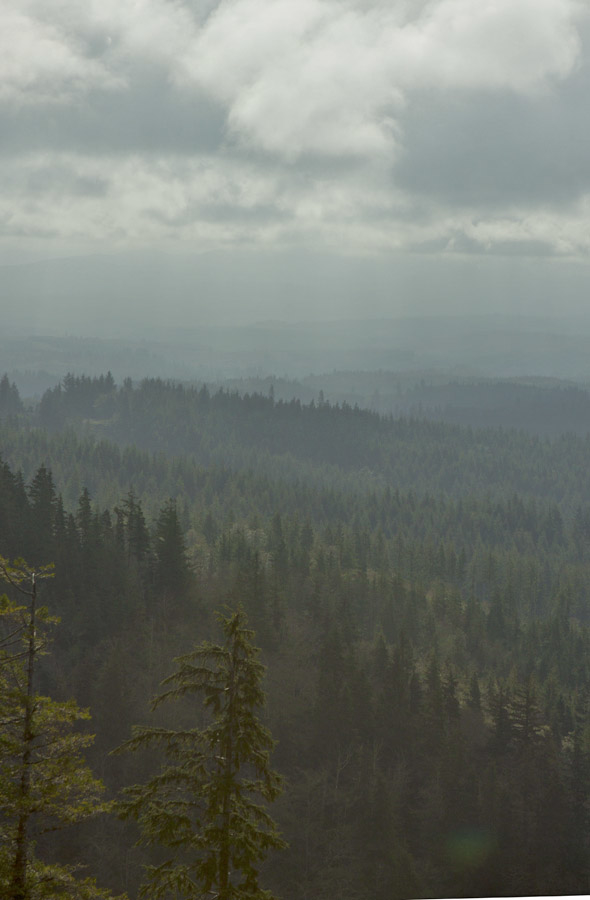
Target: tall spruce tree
[(171, 569), (207, 805), (44, 781)]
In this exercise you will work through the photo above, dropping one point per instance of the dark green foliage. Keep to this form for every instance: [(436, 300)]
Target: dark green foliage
[(422, 595), (45, 783), (10, 401), (42, 499), (206, 805), (254, 431), (171, 571)]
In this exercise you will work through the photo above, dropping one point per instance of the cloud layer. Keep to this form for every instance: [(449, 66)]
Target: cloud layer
[(446, 126)]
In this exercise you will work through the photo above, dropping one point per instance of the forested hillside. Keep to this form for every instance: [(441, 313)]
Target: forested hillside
[(545, 406), (420, 592), (320, 444)]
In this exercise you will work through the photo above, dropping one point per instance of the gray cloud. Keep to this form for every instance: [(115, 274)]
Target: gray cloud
[(148, 116), (489, 150), (363, 128), (61, 180), (462, 244)]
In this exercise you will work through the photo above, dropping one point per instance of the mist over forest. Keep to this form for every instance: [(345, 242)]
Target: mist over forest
[(461, 346), (402, 517)]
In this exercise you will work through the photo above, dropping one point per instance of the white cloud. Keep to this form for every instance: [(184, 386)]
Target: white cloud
[(508, 44), (146, 31), (321, 87), (42, 62), (321, 76), (208, 203), (327, 77), (306, 77)]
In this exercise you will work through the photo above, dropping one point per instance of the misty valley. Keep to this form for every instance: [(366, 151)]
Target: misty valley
[(367, 590)]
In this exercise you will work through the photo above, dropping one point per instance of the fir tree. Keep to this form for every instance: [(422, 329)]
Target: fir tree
[(44, 781), (205, 803), (171, 570)]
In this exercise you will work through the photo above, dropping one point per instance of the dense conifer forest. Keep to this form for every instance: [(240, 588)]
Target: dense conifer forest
[(419, 589)]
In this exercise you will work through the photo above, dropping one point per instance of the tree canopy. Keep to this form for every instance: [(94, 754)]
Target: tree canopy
[(207, 804), (45, 782)]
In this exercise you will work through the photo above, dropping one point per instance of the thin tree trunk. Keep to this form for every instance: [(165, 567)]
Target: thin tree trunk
[(19, 879), (224, 856)]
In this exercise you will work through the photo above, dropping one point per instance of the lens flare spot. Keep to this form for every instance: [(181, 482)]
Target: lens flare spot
[(468, 848)]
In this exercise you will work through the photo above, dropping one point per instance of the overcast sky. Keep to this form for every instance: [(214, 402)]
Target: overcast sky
[(431, 147)]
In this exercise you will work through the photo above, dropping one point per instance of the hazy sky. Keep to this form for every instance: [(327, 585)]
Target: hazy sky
[(431, 146)]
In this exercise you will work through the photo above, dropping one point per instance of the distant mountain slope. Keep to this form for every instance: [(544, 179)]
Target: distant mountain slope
[(325, 444)]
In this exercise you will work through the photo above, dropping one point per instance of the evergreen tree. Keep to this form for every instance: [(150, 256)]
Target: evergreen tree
[(171, 569), (42, 503), (132, 530), (44, 781), (204, 804), (10, 401)]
